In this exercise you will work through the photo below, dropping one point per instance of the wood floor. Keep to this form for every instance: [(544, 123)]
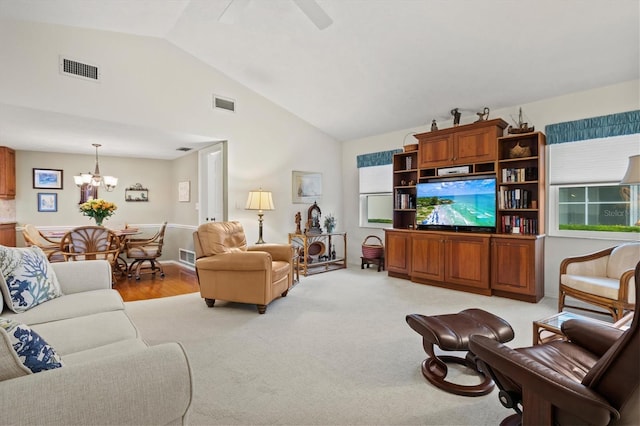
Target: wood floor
[(177, 280)]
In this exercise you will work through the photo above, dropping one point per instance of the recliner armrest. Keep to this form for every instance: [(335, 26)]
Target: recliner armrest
[(282, 252), (237, 261), (594, 337), (546, 384)]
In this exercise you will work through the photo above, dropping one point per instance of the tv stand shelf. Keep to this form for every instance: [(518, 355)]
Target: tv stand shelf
[(507, 257)]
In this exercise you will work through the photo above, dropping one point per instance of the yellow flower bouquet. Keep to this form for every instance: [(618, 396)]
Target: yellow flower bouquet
[(98, 209)]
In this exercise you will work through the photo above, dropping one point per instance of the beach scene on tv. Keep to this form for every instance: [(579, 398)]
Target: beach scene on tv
[(457, 203)]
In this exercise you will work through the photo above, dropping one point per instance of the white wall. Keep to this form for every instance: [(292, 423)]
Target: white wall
[(150, 83), (602, 101)]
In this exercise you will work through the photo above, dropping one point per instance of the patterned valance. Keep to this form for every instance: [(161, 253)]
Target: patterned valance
[(377, 158), (624, 123)]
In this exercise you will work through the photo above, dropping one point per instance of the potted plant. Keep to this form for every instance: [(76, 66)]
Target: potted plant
[(329, 223)]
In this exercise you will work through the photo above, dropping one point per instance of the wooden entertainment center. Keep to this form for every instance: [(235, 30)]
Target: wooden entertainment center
[(507, 262)]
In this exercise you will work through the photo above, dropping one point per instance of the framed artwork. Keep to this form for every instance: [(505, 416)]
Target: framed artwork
[(47, 202), (184, 189), (47, 179), (306, 186)]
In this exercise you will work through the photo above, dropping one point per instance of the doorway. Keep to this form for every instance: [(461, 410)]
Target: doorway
[(212, 183)]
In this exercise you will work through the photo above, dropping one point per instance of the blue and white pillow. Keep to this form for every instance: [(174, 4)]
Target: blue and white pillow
[(29, 352), (27, 278)]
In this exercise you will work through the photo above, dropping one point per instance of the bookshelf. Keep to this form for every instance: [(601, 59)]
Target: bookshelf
[(521, 189)]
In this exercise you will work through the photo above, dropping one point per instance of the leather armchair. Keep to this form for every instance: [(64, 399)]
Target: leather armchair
[(229, 270), (592, 378), (603, 279)]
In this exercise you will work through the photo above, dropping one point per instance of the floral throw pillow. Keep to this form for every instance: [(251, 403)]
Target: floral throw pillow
[(23, 351), (27, 278)]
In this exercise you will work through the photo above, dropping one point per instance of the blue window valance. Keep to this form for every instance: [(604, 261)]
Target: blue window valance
[(605, 126), (377, 158)]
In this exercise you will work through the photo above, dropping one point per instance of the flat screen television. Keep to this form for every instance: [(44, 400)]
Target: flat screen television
[(457, 204)]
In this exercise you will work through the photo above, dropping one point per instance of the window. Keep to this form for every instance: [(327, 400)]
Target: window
[(599, 208), (587, 160), (376, 189)]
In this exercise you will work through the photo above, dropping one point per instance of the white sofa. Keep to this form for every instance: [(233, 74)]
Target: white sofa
[(109, 374)]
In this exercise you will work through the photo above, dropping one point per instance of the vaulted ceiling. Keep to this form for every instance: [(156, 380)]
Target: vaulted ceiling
[(383, 65)]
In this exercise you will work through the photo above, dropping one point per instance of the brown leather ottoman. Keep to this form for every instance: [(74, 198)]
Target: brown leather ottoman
[(451, 332)]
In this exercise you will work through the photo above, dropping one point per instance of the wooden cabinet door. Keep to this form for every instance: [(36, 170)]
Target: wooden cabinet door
[(7, 173), (435, 152), (474, 146), (516, 266), (427, 257), (467, 260), (8, 234), (398, 252)]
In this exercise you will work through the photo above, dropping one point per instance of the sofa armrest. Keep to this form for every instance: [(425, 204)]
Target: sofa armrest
[(150, 386), (281, 252), (594, 337), (542, 383), (237, 261), (88, 275)]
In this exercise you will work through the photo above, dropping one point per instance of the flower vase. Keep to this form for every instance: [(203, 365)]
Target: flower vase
[(99, 221), (329, 229)]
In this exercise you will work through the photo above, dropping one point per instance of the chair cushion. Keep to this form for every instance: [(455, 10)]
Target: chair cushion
[(623, 258), (145, 252), (221, 237), (23, 351), (27, 277), (563, 357), (598, 286), (279, 270)]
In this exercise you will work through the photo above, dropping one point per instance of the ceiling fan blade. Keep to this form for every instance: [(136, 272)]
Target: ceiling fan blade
[(232, 12), (315, 13)]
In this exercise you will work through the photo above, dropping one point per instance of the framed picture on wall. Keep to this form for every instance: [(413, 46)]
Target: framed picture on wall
[(47, 202), (184, 190), (47, 179), (306, 186)]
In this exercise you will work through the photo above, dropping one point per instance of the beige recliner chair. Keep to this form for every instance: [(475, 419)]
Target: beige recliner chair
[(229, 270)]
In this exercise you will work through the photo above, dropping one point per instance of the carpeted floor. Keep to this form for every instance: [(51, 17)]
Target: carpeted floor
[(335, 351)]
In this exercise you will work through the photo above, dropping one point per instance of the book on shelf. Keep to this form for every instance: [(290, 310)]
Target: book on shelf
[(514, 224), (522, 174), (516, 198), (404, 201)]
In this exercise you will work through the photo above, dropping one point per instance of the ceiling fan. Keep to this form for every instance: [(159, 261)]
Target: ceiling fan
[(309, 7)]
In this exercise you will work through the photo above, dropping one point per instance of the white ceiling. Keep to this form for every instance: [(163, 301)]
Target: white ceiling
[(382, 65)]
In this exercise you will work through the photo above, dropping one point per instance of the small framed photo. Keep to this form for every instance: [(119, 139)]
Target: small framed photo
[(184, 189), (47, 179), (306, 186), (47, 202)]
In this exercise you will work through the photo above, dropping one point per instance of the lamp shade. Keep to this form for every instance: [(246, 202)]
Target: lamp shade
[(632, 177), (260, 200)]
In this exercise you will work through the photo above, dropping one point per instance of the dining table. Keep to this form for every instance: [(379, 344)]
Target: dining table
[(122, 234)]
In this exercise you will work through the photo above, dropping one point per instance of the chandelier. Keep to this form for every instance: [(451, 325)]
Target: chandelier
[(96, 179)]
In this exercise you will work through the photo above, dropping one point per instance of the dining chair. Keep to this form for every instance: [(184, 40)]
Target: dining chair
[(33, 237), (91, 243), (145, 250)]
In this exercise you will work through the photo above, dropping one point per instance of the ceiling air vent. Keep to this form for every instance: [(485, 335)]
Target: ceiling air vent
[(184, 149), (78, 69), (224, 103)]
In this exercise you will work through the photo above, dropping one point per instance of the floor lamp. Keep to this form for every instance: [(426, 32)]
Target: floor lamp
[(260, 200)]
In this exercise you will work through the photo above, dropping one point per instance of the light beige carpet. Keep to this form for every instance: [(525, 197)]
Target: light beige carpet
[(335, 351)]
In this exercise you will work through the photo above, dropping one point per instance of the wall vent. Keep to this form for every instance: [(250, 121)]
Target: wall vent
[(224, 103), (187, 256), (78, 69)]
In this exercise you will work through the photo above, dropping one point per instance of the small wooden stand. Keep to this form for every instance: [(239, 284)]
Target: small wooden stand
[(376, 261)]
